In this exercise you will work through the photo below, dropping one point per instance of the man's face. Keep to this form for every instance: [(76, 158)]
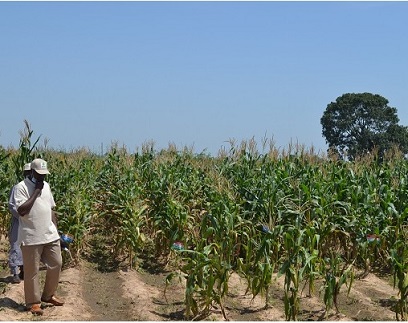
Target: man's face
[(38, 177)]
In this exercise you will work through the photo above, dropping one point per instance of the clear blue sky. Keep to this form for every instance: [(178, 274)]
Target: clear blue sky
[(195, 74)]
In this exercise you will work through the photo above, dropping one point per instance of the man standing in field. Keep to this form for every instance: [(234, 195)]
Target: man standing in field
[(39, 237), (15, 256)]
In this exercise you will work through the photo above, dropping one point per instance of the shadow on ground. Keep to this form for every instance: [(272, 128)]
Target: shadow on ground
[(9, 303)]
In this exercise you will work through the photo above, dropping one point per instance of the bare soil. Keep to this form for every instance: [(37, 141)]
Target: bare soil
[(138, 295)]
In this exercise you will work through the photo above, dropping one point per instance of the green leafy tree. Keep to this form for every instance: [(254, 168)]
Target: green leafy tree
[(359, 123)]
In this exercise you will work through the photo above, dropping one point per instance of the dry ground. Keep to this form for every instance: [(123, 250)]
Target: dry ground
[(139, 296)]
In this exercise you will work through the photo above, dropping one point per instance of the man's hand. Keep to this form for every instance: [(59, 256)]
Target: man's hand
[(27, 205)]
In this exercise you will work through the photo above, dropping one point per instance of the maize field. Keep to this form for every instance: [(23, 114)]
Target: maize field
[(290, 214)]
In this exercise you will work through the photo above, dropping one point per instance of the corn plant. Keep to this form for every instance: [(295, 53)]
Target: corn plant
[(399, 256), (171, 196), (208, 266), (74, 191), (24, 154), (121, 210), (290, 268), (5, 186), (337, 270), (295, 267), (206, 281)]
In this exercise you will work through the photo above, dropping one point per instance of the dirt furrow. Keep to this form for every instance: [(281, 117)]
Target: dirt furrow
[(103, 294)]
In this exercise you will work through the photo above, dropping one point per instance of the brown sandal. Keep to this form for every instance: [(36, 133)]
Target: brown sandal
[(35, 309), (53, 300)]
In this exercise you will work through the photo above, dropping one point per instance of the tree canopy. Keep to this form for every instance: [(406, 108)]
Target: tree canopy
[(358, 123)]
